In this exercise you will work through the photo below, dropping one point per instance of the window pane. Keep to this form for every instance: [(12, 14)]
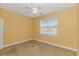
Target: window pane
[(48, 27), (43, 30), (52, 22), (52, 31), (43, 23)]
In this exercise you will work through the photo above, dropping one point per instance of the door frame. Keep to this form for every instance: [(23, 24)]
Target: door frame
[(2, 32)]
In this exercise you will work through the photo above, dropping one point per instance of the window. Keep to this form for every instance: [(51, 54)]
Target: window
[(48, 26)]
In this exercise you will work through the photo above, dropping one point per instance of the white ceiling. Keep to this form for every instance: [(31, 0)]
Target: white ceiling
[(43, 8)]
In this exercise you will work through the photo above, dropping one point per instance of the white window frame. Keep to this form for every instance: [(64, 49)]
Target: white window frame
[(47, 32)]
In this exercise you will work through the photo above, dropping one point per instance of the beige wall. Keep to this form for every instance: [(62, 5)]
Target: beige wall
[(67, 28), (78, 27), (16, 27), (0, 12)]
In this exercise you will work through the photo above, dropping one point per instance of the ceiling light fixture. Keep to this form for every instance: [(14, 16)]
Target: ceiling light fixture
[(34, 10)]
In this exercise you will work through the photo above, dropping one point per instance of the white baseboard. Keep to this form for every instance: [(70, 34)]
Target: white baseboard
[(16, 43), (57, 45)]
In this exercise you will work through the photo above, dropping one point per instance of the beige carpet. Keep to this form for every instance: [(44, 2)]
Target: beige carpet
[(35, 48)]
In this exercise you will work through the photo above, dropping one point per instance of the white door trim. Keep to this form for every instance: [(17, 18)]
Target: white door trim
[(2, 32)]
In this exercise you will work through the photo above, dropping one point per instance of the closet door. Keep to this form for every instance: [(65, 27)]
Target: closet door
[(1, 32)]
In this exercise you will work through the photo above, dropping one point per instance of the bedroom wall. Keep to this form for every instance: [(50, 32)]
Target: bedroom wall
[(78, 28), (16, 27), (0, 12), (67, 28)]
